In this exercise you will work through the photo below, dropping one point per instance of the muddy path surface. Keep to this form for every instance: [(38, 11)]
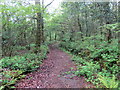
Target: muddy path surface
[(50, 74)]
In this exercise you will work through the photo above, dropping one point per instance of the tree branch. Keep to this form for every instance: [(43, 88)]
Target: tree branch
[(49, 3)]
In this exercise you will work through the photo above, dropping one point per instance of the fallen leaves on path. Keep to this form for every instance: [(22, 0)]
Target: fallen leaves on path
[(50, 74)]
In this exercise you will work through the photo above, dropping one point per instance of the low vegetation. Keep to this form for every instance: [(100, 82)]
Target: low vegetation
[(97, 60), (89, 31), (15, 68)]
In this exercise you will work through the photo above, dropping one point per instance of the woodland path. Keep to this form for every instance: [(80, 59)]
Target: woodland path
[(50, 74)]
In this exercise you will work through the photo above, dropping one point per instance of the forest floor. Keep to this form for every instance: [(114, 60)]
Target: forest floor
[(51, 73)]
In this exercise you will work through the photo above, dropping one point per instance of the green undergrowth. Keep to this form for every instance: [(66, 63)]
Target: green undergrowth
[(15, 67), (97, 60)]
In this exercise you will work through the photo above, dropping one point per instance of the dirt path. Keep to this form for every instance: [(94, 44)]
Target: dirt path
[(50, 74)]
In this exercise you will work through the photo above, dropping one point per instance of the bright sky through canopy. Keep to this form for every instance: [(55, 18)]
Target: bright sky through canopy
[(51, 7), (54, 5)]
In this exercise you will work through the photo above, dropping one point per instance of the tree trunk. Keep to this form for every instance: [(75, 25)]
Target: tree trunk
[(119, 11), (80, 28), (86, 17), (50, 37), (119, 27), (55, 36), (108, 21), (42, 28), (6, 41), (38, 31)]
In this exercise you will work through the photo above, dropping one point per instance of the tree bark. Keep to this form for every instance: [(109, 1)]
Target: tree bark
[(108, 21), (38, 31), (50, 37), (119, 27), (80, 26), (86, 17), (55, 36)]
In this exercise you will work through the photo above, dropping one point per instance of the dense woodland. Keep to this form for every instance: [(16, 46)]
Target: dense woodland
[(88, 31)]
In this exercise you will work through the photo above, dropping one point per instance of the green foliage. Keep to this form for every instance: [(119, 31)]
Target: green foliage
[(108, 82), (70, 25), (78, 59), (20, 47), (94, 57), (88, 70), (10, 77), (17, 65), (27, 62), (44, 49), (114, 27)]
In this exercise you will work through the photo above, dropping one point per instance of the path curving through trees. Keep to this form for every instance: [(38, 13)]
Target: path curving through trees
[(50, 74)]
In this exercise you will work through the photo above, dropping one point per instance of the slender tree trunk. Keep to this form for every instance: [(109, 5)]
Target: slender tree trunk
[(86, 21), (3, 39), (55, 36), (42, 29), (72, 35), (119, 27), (40, 22), (38, 31), (50, 37), (80, 26), (108, 21)]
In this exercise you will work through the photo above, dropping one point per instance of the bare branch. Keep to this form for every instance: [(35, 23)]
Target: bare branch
[(49, 3)]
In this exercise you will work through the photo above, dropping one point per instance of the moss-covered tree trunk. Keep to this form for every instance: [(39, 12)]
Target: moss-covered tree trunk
[(107, 11), (119, 27), (38, 31), (6, 35)]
